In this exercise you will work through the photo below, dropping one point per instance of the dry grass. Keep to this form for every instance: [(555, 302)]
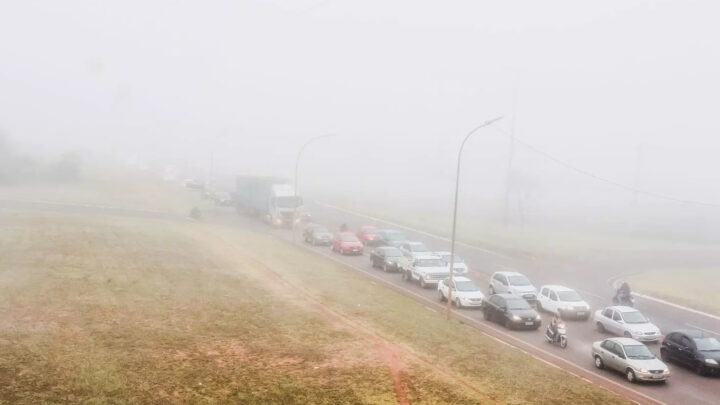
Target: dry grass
[(695, 287)]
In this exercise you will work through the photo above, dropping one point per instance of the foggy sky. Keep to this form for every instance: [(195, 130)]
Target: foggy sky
[(626, 89)]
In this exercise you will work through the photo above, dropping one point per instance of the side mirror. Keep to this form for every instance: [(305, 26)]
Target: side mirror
[(621, 355), (503, 308)]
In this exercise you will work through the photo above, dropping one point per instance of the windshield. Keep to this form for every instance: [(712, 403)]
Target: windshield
[(419, 247), (320, 229), (517, 303), (569, 296), (392, 252), (518, 280), (349, 238), (456, 259), (640, 352), (466, 286), (634, 317), (288, 202), (707, 344), (395, 236), (368, 231), (429, 263)]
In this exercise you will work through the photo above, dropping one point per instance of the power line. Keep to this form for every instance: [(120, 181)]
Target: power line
[(603, 179)]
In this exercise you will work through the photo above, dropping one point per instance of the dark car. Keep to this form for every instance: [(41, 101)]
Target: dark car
[(694, 349), (317, 235), (512, 311), (385, 257), (307, 230), (388, 237)]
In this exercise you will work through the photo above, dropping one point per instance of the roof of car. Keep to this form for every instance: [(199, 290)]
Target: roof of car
[(442, 253), (509, 273), (692, 333), (507, 295), (347, 234), (427, 257), (414, 242), (461, 278), (624, 341), (621, 308), (555, 287), (368, 228)]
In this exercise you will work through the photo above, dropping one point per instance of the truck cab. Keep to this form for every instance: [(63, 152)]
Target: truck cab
[(284, 207)]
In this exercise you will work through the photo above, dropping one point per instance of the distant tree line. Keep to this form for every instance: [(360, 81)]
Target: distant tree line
[(16, 168)]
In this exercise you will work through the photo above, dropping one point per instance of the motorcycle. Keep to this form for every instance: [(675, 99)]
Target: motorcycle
[(624, 299), (560, 336)]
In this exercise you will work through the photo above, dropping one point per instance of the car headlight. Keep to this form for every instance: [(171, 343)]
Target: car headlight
[(516, 318), (537, 317), (427, 277), (711, 361), (666, 371), (568, 308), (644, 370)]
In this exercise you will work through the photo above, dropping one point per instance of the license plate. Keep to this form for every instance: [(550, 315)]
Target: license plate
[(657, 377), (529, 323)]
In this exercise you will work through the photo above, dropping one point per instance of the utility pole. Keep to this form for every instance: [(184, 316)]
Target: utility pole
[(454, 222)]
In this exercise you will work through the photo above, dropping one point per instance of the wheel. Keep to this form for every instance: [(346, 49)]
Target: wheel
[(630, 375), (492, 290), (385, 267), (406, 276), (458, 304), (441, 296), (563, 342), (700, 369), (422, 283), (486, 315), (508, 324), (600, 327), (664, 355), (599, 363)]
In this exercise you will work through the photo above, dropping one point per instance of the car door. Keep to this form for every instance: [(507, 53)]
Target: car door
[(494, 307), (617, 324), (609, 355), (552, 301), (606, 318), (686, 354), (543, 297), (502, 283)]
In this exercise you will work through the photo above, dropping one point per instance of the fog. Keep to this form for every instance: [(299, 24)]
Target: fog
[(612, 103)]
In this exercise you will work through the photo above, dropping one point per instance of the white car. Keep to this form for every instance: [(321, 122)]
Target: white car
[(628, 322), (563, 302), (414, 249), (465, 292), (512, 282), (459, 268)]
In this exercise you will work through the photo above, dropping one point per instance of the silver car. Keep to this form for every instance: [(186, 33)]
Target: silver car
[(631, 358)]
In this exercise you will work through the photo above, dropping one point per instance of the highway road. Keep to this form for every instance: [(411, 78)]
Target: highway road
[(594, 284)]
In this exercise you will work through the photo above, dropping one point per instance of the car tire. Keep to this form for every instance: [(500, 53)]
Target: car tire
[(486, 315), (385, 268), (664, 355), (600, 327), (508, 324), (422, 283), (630, 375), (700, 369), (599, 363), (406, 276), (458, 304)]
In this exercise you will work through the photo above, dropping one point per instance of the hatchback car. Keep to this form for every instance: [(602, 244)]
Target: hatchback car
[(459, 268), (563, 302), (465, 293), (512, 311), (628, 322), (694, 349), (318, 235), (631, 358), (512, 282), (388, 237), (346, 243), (385, 257)]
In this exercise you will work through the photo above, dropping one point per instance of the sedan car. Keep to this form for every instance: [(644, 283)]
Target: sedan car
[(385, 257), (346, 243), (563, 302), (459, 268), (414, 249), (631, 358), (318, 235), (628, 322), (511, 311), (465, 293), (222, 198), (694, 349), (367, 234), (388, 237), (512, 282)]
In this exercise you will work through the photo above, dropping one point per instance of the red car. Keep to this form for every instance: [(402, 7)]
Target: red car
[(366, 234), (346, 243)]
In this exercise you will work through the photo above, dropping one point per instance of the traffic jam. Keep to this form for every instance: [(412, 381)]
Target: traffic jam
[(514, 302)]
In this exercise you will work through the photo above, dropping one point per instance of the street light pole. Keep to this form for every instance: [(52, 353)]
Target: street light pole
[(297, 166), (454, 223)]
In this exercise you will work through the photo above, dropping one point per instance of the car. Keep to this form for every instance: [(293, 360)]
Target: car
[(413, 249), (366, 234), (460, 268), (628, 322), (465, 293), (426, 270), (694, 349), (388, 237), (512, 311), (222, 198), (512, 282), (629, 357), (563, 302), (317, 235), (193, 183), (385, 257), (346, 243), (309, 227)]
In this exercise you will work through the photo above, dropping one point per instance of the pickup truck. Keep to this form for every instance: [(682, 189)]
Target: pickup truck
[(427, 270)]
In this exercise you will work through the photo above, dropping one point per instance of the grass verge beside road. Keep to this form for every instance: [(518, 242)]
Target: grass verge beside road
[(695, 288)]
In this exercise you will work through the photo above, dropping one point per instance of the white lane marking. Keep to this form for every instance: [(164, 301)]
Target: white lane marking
[(410, 229), (674, 305), (702, 329), (485, 325)]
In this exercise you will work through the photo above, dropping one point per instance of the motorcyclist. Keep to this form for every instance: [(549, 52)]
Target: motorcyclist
[(195, 213), (554, 326), (623, 293), (343, 227)]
